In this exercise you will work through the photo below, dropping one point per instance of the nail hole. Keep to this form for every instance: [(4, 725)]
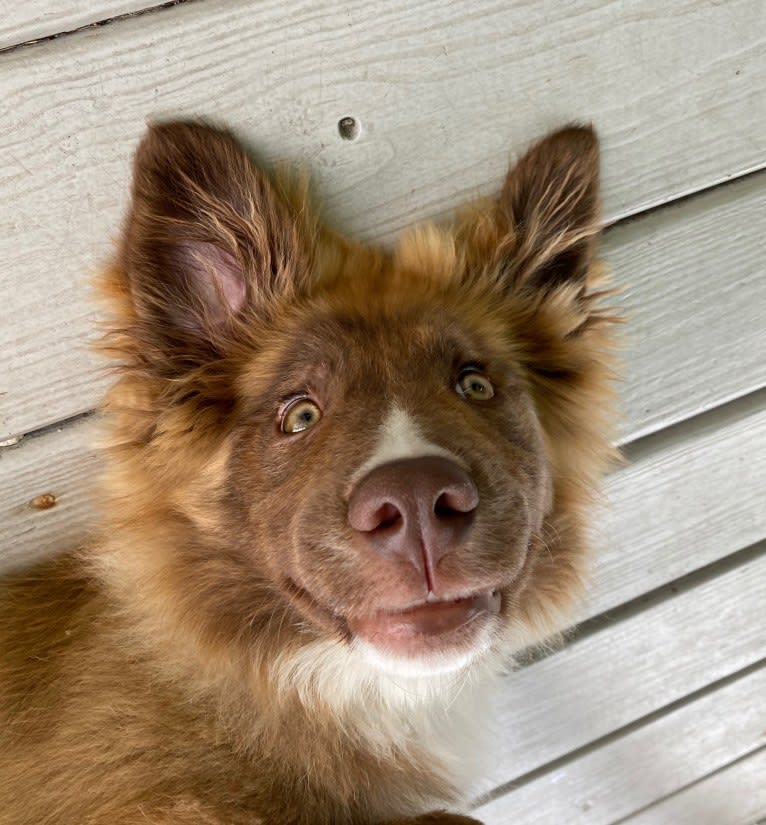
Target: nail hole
[(43, 502), (349, 128)]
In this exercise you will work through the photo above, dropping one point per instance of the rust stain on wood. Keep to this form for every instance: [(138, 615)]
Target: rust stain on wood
[(43, 502)]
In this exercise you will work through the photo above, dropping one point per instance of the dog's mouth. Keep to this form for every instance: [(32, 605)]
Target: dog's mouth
[(431, 626)]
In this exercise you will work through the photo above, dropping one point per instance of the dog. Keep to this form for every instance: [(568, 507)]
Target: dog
[(343, 486)]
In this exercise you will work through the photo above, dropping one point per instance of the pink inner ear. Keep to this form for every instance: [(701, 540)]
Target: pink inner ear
[(215, 276)]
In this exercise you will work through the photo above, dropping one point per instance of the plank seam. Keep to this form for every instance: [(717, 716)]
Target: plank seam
[(687, 197), (18, 441), (656, 714), (639, 604), (96, 24), (639, 449), (717, 417), (689, 785)]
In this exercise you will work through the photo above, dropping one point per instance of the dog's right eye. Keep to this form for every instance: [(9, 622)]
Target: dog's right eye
[(298, 415), (473, 385)]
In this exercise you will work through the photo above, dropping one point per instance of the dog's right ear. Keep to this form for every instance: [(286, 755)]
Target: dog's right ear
[(208, 242), (551, 201)]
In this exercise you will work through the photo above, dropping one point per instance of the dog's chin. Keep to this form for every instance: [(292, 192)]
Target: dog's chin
[(433, 637)]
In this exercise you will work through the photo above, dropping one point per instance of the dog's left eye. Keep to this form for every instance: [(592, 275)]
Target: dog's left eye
[(299, 415), (474, 386)]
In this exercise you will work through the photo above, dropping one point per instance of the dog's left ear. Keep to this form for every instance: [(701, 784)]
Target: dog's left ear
[(551, 202)]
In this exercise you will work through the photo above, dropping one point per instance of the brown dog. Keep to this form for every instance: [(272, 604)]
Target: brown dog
[(343, 487)]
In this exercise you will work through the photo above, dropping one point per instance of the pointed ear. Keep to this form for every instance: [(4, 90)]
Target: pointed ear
[(551, 201), (207, 240)]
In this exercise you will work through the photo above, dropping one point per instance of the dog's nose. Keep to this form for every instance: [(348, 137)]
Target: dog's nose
[(416, 509)]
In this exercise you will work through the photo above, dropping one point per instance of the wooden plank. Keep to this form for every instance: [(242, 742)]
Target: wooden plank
[(443, 91), (694, 295), (61, 464), (648, 763), (33, 19), (690, 497), (659, 259), (679, 493), (735, 795), (626, 670)]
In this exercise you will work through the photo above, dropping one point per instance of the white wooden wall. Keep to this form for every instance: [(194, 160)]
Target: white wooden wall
[(655, 712)]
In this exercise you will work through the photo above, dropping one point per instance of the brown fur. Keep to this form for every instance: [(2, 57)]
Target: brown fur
[(166, 674)]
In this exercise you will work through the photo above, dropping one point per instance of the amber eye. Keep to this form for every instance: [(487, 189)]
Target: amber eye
[(474, 386), (298, 415)]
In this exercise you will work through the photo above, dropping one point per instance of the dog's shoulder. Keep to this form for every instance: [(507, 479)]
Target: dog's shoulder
[(46, 611)]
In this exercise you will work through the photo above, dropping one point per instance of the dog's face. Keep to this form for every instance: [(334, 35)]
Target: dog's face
[(388, 450), (389, 473)]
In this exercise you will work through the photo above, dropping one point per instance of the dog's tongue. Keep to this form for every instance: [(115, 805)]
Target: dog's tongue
[(433, 619)]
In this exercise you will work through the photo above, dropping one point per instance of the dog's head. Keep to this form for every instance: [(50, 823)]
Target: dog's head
[(316, 440)]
